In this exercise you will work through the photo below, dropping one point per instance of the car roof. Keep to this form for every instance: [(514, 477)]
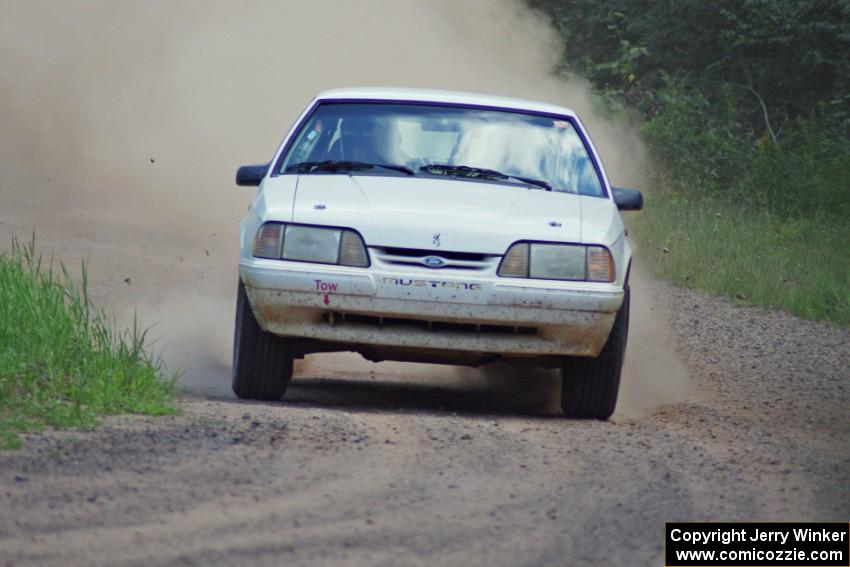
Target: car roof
[(442, 97)]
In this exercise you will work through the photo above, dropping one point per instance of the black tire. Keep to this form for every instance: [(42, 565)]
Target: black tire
[(589, 386), (262, 363)]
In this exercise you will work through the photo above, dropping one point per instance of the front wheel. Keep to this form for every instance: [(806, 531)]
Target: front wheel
[(262, 362), (589, 386)]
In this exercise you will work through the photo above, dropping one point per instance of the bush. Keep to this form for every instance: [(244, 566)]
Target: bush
[(772, 231), (696, 140)]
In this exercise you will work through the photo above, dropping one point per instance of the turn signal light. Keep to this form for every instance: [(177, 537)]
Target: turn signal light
[(600, 265), (515, 262), (268, 242), (352, 251)]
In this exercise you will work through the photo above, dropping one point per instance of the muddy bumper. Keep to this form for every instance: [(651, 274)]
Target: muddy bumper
[(433, 310)]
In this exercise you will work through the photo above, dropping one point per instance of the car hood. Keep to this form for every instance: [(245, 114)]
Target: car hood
[(468, 216)]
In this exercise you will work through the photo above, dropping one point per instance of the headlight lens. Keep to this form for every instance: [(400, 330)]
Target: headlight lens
[(558, 262), (311, 244)]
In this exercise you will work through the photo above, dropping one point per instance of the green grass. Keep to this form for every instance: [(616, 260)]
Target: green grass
[(62, 361), (798, 263), (761, 220)]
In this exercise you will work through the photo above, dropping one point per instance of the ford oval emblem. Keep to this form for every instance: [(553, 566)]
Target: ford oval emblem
[(433, 261)]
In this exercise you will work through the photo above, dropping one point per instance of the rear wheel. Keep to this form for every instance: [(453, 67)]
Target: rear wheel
[(262, 363), (589, 386)]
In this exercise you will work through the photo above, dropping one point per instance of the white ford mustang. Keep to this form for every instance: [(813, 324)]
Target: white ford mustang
[(439, 227)]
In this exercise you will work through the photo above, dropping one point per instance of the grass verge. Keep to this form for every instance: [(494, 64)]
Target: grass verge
[(62, 361), (800, 264)]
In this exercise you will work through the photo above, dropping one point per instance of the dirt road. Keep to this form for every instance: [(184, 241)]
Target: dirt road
[(398, 464)]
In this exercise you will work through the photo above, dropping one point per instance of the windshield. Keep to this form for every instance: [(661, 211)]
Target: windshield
[(462, 142)]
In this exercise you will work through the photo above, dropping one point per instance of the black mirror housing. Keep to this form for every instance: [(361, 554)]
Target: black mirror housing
[(627, 199), (251, 175)]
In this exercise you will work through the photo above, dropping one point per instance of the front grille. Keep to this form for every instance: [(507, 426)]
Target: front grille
[(416, 253), (333, 318), (416, 257)]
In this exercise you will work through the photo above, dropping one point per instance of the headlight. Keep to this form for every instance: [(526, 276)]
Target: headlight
[(311, 244), (558, 262)]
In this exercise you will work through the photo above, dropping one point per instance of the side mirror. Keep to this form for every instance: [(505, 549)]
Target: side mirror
[(251, 175), (627, 199)]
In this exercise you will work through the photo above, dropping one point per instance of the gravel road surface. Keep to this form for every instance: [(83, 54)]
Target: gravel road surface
[(397, 464)]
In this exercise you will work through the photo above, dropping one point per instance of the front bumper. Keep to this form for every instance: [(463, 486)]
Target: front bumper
[(430, 309)]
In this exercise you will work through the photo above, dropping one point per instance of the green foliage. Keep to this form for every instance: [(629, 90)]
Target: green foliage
[(745, 105), (791, 54), (696, 138), (765, 222), (62, 363), (744, 253), (700, 145)]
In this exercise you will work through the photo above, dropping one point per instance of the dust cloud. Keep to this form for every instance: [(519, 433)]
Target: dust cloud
[(653, 374), (123, 124)]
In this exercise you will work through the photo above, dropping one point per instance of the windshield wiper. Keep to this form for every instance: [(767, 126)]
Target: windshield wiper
[(331, 165), (480, 172), (531, 181)]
